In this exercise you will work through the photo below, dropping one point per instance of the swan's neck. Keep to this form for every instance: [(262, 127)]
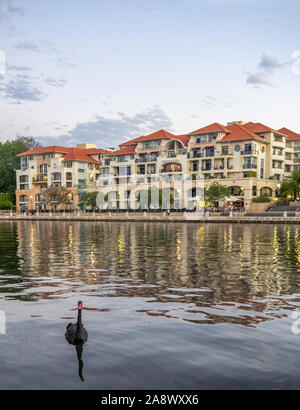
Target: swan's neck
[(79, 317)]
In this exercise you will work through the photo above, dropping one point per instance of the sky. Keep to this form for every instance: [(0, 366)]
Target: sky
[(105, 71)]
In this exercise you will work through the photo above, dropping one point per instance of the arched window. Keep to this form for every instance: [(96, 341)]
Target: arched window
[(43, 169)]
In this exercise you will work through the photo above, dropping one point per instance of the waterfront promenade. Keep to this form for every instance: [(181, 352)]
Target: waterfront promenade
[(153, 217)]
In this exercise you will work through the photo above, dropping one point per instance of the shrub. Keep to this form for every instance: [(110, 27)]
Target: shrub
[(261, 199)]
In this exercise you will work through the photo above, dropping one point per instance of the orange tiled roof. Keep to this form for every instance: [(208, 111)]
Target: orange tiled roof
[(289, 133), (239, 132), (124, 150), (45, 150), (69, 154), (258, 127), (183, 138), (161, 134), (94, 151), (78, 154), (215, 127)]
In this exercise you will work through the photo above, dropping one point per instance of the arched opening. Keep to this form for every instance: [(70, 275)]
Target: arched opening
[(266, 191)]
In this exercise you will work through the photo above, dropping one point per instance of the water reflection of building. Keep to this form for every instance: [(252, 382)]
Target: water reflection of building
[(233, 266)]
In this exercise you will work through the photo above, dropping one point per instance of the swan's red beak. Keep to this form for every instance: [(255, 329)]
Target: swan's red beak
[(79, 305)]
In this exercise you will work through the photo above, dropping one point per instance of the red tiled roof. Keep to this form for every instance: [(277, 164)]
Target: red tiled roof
[(94, 151), (183, 138), (239, 132), (78, 154), (45, 150), (69, 154), (161, 134), (215, 127), (259, 127), (124, 150), (289, 133)]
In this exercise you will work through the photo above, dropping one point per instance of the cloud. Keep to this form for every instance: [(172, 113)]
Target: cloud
[(17, 67), (209, 101), (112, 131), (41, 47), (269, 63), (267, 19), (8, 9), (56, 82), (20, 89), (267, 66), (258, 78)]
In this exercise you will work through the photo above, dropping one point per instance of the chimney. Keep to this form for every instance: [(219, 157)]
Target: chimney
[(236, 122)]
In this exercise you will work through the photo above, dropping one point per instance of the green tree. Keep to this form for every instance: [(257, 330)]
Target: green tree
[(216, 192), (57, 196), (9, 162), (5, 202), (291, 187), (88, 199)]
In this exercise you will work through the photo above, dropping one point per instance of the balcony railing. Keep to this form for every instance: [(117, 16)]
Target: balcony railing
[(250, 166), (40, 178), (249, 152)]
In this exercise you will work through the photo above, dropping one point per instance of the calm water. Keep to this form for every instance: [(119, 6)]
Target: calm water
[(175, 306)]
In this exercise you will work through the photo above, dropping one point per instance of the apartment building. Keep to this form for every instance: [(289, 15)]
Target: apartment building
[(251, 158), (74, 168)]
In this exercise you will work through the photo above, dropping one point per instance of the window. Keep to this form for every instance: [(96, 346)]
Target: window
[(24, 186), (43, 169), (30, 158), (237, 148), (68, 164), (56, 176), (148, 144), (210, 152), (131, 156), (212, 136), (69, 176), (23, 199), (23, 178), (254, 190), (225, 149), (69, 184), (201, 139), (81, 170)]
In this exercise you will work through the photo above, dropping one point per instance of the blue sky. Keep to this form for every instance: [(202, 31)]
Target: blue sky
[(104, 71)]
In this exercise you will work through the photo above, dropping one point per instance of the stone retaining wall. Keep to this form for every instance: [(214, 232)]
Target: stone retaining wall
[(149, 217)]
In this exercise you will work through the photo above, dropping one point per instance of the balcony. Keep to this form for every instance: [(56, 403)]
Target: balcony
[(249, 152), (146, 159), (40, 179), (279, 144), (222, 154)]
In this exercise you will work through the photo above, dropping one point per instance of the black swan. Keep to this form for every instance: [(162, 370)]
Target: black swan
[(76, 333)]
